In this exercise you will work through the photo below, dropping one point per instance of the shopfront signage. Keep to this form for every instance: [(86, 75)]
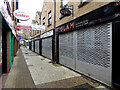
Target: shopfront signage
[(21, 15), (66, 27), (105, 13), (81, 23), (36, 38), (47, 34), (30, 26), (65, 12), (24, 27), (7, 17)]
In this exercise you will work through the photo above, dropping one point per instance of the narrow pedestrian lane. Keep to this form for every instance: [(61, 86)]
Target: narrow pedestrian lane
[(31, 70), (19, 76)]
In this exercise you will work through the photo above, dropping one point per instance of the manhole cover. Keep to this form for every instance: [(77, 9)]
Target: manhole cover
[(86, 85), (26, 53)]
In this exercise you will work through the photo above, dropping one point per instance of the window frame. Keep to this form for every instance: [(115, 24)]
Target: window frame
[(44, 21), (49, 18), (83, 3), (62, 2)]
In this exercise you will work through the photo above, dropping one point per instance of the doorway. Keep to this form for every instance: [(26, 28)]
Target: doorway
[(4, 51), (115, 55)]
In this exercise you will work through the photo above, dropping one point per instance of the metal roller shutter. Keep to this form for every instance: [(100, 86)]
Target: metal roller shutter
[(66, 50), (88, 51), (47, 47), (37, 46), (94, 52), (32, 46)]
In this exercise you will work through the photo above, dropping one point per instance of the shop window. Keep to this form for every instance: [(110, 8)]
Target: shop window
[(49, 18)]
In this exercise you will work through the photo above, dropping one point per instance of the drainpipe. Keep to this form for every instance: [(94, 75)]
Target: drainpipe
[(54, 35)]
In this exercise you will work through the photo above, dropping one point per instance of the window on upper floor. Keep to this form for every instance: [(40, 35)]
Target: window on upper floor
[(49, 18), (44, 21), (64, 3), (82, 1)]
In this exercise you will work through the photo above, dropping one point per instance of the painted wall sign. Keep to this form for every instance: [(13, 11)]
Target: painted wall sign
[(21, 15), (65, 12)]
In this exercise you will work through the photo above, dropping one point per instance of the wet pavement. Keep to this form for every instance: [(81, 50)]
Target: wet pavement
[(31, 70)]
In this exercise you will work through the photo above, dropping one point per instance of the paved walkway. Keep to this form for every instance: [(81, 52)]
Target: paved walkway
[(19, 76), (31, 70)]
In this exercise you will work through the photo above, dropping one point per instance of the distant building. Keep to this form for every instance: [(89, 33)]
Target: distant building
[(37, 21), (33, 22), (38, 18)]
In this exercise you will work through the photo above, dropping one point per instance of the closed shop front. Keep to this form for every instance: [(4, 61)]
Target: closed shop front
[(88, 51), (32, 45), (67, 49), (86, 46), (47, 47), (94, 52), (37, 46), (47, 44)]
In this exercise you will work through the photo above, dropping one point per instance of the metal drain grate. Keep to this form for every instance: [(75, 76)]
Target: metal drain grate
[(86, 85)]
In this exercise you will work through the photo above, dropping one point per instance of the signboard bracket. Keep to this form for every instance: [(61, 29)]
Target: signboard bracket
[(71, 7)]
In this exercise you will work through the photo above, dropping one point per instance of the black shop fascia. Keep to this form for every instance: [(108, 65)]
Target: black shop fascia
[(107, 13)]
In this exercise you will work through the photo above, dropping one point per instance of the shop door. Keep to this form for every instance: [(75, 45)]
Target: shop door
[(116, 54), (4, 51), (30, 45)]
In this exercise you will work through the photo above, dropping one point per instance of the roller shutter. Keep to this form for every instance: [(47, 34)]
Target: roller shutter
[(47, 47), (88, 51), (37, 46)]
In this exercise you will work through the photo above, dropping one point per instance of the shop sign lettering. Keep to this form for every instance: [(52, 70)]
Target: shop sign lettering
[(66, 27), (81, 23)]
